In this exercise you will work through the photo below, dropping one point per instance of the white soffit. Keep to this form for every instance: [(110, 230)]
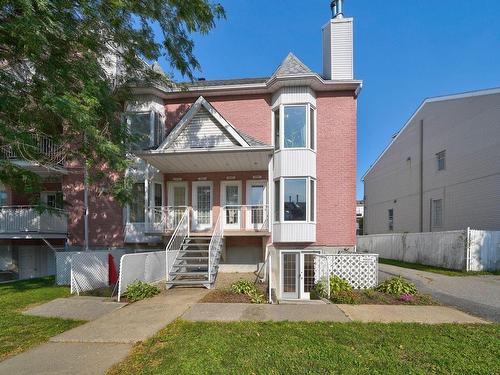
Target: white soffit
[(209, 160)]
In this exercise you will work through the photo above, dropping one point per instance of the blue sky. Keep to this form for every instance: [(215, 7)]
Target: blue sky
[(404, 52)]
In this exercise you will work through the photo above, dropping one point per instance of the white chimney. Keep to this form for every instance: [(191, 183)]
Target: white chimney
[(338, 45)]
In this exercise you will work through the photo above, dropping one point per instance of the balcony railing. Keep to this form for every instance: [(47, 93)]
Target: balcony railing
[(29, 219), (246, 217), (42, 144)]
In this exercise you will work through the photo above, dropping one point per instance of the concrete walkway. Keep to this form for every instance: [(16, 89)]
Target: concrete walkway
[(477, 295), (95, 346), (227, 312), (79, 308), (327, 312)]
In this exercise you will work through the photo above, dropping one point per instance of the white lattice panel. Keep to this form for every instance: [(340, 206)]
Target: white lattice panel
[(360, 270), (89, 271)]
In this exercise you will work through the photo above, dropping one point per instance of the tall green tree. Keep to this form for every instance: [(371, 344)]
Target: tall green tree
[(53, 79)]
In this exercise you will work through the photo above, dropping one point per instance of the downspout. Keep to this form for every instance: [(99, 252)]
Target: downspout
[(86, 205), (421, 177)]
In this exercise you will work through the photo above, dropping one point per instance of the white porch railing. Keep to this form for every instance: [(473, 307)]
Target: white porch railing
[(44, 145), (28, 219), (215, 246), (246, 217), (161, 219), (174, 245)]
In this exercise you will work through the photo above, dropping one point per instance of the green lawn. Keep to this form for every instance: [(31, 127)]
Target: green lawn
[(316, 348), (20, 332), (443, 271)]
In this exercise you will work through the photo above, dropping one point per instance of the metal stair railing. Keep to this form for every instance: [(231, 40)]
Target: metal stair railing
[(174, 245), (215, 244)]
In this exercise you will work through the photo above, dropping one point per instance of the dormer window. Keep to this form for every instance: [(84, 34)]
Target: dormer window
[(147, 129), (295, 128)]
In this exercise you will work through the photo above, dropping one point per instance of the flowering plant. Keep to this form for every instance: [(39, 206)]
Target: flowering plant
[(405, 297)]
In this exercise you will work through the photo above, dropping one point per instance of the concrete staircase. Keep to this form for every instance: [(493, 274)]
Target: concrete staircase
[(191, 264)]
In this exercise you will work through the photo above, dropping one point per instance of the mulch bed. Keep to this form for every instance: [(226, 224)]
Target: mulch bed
[(226, 296)]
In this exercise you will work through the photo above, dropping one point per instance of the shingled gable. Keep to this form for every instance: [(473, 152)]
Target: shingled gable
[(291, 65), (203, 114)]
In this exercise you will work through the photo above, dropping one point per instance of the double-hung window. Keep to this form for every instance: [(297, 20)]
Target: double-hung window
[(146, 129), (441, 160), (437, 213), (295, 128)]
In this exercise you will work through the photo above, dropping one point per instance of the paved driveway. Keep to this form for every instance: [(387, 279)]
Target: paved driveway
[(477, 295)]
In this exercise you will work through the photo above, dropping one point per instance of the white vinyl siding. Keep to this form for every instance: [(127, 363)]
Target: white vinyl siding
[(468, 129), (203, 131), (338, 49)]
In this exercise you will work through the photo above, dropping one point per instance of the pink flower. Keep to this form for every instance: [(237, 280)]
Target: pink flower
[(405, 297)]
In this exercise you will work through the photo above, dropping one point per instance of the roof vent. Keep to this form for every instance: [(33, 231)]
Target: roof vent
[(337, 9)]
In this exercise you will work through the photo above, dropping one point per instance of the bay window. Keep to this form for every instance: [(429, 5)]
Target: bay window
[(294, 127), (294, 199), (146, 128)]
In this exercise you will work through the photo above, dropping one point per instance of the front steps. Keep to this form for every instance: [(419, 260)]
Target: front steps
[(191, 265)]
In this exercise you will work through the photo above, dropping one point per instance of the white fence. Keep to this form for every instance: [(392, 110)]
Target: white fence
[(360, 270), (89, 271), (471, 250), (149, 267), (64, 260)]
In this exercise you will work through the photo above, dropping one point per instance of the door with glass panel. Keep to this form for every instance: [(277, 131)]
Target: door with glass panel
[(297, 274), (231, 200), (202, 205), (177, 202), (256, 213)]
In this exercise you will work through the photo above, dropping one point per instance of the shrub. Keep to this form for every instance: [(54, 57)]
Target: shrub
[(139, 290), (248, 288), (345, 297), (337, 284), (242, 287), (397, 286)]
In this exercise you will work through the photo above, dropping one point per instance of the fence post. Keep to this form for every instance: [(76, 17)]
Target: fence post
[(467, 250)]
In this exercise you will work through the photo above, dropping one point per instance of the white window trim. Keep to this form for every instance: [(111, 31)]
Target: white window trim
[(281, 109), (308, 200)]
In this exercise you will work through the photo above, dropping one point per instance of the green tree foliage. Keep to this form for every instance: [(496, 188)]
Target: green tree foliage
[(53, 80)]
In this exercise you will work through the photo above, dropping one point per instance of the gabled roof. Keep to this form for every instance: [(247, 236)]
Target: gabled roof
[(239, 139), (291, 65), (426, 101)]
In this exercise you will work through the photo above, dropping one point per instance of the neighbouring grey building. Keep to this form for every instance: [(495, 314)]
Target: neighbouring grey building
[(441, 171)]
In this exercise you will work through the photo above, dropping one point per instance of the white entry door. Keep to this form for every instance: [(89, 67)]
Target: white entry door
[(256, 213), (297, 274), (177, 201), (202, 205), (230, 192)]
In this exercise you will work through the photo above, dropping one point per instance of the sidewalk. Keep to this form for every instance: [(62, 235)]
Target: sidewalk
[(328, 312), (95, 346)]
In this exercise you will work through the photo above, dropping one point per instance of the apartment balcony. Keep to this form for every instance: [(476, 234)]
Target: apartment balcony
[(44, 156), (237, 220), (28, 222)]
